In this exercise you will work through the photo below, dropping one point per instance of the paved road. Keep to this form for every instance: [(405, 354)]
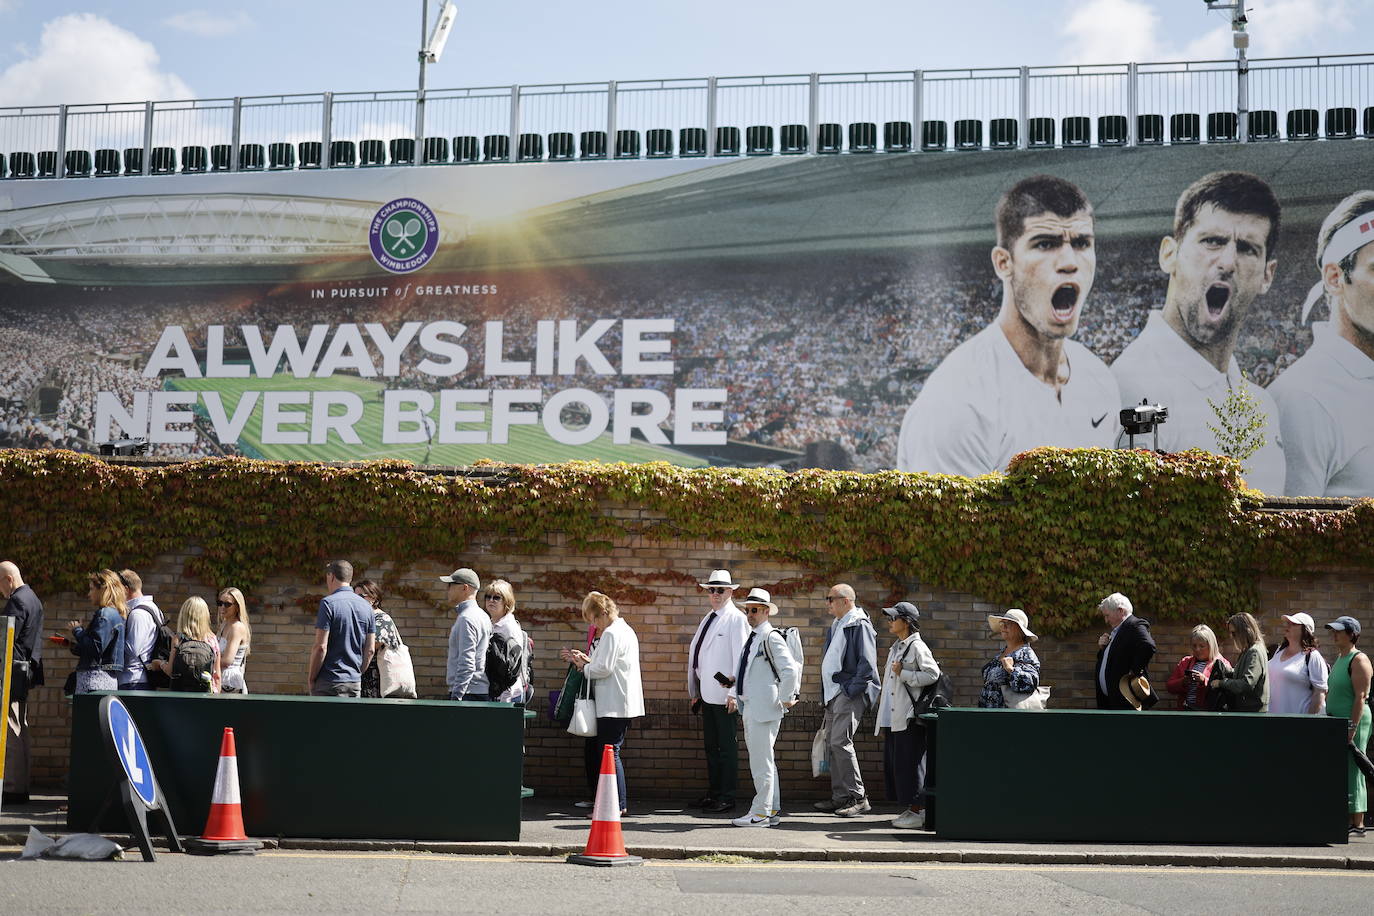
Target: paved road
[(312, 882)]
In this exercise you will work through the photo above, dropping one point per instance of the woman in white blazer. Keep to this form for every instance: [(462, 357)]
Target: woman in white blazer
[(613, 669), (910, 668), (767, 679)]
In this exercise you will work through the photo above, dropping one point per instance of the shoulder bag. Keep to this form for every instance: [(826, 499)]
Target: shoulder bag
[(583, 721), (396, 672)]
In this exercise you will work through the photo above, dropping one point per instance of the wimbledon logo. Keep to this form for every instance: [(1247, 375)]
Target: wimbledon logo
[(403, 235)]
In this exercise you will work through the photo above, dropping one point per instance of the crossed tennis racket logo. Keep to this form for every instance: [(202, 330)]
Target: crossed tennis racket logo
[(402, 234)]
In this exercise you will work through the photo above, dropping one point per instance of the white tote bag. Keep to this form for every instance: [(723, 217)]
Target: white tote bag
[(396, 673), (1038, 698), (583, 722)]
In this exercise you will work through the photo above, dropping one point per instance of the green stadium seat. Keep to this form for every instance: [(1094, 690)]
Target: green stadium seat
[(1039, 133), (531, 148), (968, 134), (1111, 130), (343, 154), (1077, 131), (758, 140), (1222, 127), (194, 159), (221, 157), (727, 141), (934, 136), (829, 138), (1264, 124), (133, 161), (658, 143), (496, 148), (78, 162), (1340, 123), (1185, 128), (402, 151), (897, 137), (371, 153), (311, 153), (252, 157), (1002, 133), (1302, 124), (281, 156), (164, 161), (106, 163), (863, 137), (592, 144), (691, 142), (562, 146), (627, 144), (792, 139), (1149, 129)]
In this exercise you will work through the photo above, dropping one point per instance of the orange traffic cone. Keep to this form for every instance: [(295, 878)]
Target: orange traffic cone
[(605, 845), (224, 826)]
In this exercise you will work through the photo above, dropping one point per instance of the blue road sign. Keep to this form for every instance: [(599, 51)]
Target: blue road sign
[(132, 753)]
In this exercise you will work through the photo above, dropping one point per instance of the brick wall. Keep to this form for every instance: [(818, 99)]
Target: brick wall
[(662, 751)]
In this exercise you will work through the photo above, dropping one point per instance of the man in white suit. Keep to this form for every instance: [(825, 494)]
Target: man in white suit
[(711, 661), (767, 680)]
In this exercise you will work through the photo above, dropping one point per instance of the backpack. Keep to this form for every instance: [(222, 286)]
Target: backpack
[(193, 670), (792, 636), (932, 696), (505, 662), (162, 650)]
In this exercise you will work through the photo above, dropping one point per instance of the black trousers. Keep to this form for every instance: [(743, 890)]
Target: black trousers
[(720, 736), (904, 765)]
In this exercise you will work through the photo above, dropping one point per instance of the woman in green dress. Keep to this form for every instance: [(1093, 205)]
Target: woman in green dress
[(1349, 698)]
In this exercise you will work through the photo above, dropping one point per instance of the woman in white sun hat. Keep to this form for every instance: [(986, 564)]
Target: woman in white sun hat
[(1297, 671), (1016, 667)]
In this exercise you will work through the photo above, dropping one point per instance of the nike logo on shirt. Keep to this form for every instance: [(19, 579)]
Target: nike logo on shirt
[(1098, 422)]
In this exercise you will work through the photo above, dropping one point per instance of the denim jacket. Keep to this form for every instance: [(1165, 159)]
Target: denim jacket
[(100, 644)]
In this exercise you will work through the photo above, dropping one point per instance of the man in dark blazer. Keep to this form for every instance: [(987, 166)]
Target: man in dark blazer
[(1125, 650)]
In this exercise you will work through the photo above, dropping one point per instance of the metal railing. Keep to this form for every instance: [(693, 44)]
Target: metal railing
[(910, 111)]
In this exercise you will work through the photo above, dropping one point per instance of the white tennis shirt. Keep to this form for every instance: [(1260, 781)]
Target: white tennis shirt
[(1163, 368), (981, 406), (1326, 411)]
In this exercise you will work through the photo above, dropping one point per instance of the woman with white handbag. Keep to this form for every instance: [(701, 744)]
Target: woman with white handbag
[(391, 673), (1012, 679), (617, 694)]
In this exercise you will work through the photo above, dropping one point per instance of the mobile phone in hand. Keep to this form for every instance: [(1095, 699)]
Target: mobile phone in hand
[(724, 680)]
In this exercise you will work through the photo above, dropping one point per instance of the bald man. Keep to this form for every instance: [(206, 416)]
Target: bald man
[(26, 672)]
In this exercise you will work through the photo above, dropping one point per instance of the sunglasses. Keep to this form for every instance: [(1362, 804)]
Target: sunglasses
[(719, 591), (492, 597), (225, 603)]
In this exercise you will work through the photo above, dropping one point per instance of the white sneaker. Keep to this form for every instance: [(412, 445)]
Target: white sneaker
[(753, 820), (774, 819), (910, 820)]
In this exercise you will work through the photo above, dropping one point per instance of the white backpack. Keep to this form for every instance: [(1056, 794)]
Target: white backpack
[(792, 636)]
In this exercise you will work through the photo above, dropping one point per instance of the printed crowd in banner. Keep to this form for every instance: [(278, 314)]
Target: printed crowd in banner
[(445, 416)]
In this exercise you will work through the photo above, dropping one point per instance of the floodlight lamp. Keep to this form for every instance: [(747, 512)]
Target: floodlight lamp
[(434, 48)]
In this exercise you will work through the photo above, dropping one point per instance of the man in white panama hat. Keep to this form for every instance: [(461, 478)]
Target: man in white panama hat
[(712, 658), (1324, 397), (767, 679)]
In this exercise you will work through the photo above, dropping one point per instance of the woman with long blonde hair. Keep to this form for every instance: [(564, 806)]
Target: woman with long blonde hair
[(235, 635), (193, 626), (99, 645)]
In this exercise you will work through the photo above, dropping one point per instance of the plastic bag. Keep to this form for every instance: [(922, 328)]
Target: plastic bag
[(87, 847), (820, 754)]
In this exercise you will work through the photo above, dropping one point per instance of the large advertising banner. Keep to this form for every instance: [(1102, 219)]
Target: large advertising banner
[(936, 312)]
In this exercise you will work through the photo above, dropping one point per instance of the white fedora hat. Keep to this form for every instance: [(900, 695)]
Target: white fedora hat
[(719, 578), (760, 597)]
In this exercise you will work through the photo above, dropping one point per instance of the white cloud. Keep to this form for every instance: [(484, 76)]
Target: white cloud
[(206, 24), (82, 57), (1117, 31), (1112, 31)]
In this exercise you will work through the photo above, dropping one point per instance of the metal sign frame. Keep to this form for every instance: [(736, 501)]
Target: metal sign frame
[(137, 788)]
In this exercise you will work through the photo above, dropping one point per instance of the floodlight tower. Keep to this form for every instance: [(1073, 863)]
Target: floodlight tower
[(431, 49), (1241, 39)]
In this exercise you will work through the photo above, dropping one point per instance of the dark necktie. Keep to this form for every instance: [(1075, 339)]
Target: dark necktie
[(696, 652), (743, 663)]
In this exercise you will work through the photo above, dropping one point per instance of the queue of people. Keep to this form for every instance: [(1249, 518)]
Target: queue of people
[(741, 669)]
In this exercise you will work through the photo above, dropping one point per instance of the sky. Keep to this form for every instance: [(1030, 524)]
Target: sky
[(53, 51)]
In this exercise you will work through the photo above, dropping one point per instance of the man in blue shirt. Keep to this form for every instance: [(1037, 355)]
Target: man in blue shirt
[(466, 671), (345, 637)]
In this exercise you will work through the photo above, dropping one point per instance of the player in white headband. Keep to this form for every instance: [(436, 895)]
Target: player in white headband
[(1324, 398)]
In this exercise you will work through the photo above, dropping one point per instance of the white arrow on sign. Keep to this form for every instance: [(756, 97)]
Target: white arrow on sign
[(135, 772)]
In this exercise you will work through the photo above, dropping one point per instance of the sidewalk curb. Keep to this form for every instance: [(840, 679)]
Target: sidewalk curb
[(803, 854)]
